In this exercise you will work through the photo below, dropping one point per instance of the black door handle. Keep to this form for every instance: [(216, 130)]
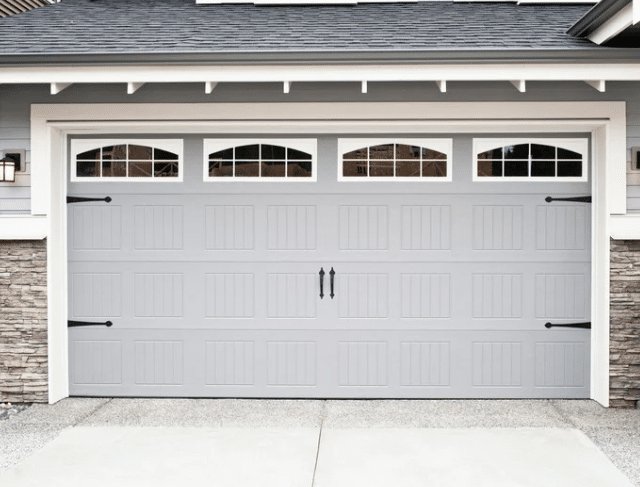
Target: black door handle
[(585, 324), (82, 199), (332, 274), (321, 282), (578, 199), (71, 323)]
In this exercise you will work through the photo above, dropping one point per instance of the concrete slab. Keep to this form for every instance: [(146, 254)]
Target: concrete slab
[(463, 457), (591, 415), (158, 457)]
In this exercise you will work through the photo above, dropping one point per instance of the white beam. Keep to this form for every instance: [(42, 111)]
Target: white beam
[(613, 26), (442, 86), (599, 84), (58, 87), (364, 87), (520, 84), (133, 87), (209, 86), (286, 86)]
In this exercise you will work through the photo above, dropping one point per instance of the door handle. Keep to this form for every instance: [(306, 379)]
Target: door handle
[(332, 274), (584, 324), (321, 282)]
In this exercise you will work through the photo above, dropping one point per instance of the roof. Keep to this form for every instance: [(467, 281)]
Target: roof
[(12, 7), (119, 27)]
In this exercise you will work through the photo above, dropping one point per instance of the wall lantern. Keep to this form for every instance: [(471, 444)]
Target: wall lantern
[(7, 170)]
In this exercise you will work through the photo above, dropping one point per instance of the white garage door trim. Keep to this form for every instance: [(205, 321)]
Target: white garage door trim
[(52, 124)]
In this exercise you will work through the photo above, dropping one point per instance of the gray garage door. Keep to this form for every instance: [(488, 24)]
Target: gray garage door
[(429, 289)]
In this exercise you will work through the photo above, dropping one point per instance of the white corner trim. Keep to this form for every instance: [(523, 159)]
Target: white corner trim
[(599, 85), (133, 87), (442, 86), (209, 86), (58, 87), (616, 24), (521, 85), (286, 86), (364, 87), (625, 227), (23, 227)]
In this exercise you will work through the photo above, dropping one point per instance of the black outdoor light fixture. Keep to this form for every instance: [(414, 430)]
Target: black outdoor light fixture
[(7, 170)]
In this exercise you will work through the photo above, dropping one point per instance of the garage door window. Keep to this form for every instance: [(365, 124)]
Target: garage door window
[(122, 160), (260, 160), (530, 159), (395, 160)]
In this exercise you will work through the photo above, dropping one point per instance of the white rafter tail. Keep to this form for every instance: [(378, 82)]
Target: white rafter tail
[(133, 87), (520, 84), (599, 84), (58, 87), (287, 86), (365, 86), (209, 86), (442, 86)]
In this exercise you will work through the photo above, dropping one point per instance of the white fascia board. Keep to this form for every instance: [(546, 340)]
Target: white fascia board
[(321, 73), (616, 24), (625, 227), (23, 227)]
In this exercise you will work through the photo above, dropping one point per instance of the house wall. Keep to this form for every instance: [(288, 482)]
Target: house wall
[(23, 321)]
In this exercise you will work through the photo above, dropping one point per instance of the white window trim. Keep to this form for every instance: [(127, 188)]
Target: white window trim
[(310, 146), (441, 145), (78, 146), (481, 145)]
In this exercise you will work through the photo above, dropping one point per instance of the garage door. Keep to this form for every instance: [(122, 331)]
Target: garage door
[(336, 267)]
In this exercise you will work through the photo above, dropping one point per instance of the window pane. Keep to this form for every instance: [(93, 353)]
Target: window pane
[(408, 169), (404, 151), (357, 154), (381, 168), (114, 169), (520, 151), (569, 169), (87, 169), (247, 169), (220, 168), (92, 154), (381, 152), (491, 155), (140, 169), (165, 169), (434, 169), (273, 169), (489, 168), (543, 168), (298, 155), (140, 152), (354, 168), (272, 152), (226, 154), (299, 169), (114, 153), (248, 152), (562, 154), (516, 168), (163, 155), (542, 151), (432, 154)]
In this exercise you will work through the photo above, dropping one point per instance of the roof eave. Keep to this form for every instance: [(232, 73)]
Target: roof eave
[(596, 17)]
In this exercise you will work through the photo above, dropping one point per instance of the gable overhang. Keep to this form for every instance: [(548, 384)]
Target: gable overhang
[(607, 20)]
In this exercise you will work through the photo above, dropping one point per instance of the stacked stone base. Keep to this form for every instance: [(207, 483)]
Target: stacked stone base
[(23, 321), (625, 323)]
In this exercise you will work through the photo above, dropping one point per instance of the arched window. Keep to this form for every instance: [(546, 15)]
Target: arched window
[(408, 159), (532, 159), (126, 160), (272, 160)]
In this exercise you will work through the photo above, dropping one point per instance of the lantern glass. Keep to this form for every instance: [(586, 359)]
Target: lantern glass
[(8, 171)]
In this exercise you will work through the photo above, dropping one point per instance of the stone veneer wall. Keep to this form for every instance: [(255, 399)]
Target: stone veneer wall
[(23, 321), (624, 351)]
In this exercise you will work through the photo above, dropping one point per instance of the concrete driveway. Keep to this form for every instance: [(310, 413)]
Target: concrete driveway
[(228, 442)]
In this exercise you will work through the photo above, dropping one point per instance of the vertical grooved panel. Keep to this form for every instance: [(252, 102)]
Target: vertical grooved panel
[(561, 296), (291, 363), (497, 227), (96, 295), (497, 364), (425, 363), (229, 363), (497, 296), (158, 227), (562, 227), (229, 227), (560, 364), (292, 295), (96, 362), (158, 362), (426, 227), (362, 295), (362, 363), (363, 228), (291, 227), (425, 295), (229, 295), (97, 227), (158, 295)]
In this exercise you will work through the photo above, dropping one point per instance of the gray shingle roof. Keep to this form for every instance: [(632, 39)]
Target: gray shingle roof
[(181, 26)]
